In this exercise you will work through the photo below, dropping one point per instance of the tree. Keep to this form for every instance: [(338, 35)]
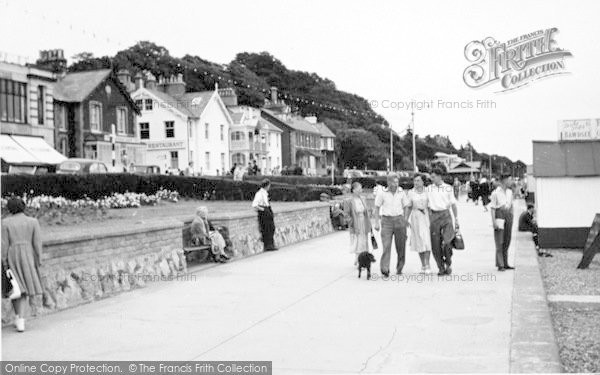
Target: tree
[(84, 61), (360, 148)]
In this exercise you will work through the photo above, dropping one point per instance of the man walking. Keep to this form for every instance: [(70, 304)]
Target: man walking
[(265, 215), (441, 200), (502, 219), (393, 223)]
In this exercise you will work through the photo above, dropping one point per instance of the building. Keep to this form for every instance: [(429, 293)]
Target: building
[(465, 170), (252, 138), (180, 127), (567, 182), (449, 160), (89, 107), (327, 159), (27, 115), (301, 139)]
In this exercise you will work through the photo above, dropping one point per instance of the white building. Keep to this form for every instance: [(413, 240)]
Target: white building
[(567, 186), (449, 160), (179, 127)]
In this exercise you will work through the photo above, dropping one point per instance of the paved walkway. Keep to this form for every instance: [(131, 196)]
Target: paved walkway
[(304, 308)]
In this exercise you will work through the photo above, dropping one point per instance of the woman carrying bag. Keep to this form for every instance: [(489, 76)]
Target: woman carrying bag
[(21, 254), (359, 223)]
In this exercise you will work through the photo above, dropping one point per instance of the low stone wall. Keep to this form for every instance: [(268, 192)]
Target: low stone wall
[(291, 226), (83, 267), (104, 259)]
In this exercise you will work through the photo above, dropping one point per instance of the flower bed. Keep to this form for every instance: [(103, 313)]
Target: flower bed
[(59, 210)]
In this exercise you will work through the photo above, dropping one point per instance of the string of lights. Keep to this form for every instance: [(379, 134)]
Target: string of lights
[(282, 95)]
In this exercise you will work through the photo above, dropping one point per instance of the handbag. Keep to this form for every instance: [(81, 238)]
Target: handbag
[(373, 241), (15, 292), (457, 241)]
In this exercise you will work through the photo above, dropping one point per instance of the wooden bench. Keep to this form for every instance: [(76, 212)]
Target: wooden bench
[(193, 252)]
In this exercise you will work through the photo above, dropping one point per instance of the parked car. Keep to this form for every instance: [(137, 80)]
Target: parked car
[(81, 166), (145, 169)]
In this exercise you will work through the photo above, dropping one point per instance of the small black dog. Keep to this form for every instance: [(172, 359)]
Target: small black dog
[(364, 261)]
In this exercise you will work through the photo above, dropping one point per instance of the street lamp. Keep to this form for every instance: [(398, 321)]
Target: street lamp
[(412, 114)]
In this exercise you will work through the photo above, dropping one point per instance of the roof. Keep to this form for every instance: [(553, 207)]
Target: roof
[(324, 130), (195, 102), (295, 122), (171, 101), (268, 125), (236, 117), (75, 87), (566, 159)]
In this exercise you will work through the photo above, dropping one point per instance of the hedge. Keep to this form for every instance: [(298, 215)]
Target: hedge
[(366, 182), (97, 186)]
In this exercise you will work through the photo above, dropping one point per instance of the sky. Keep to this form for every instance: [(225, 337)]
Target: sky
[(384, 51)]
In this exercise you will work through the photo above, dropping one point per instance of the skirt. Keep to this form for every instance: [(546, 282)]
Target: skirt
[(420, 232), (359, 242), (21, 262)]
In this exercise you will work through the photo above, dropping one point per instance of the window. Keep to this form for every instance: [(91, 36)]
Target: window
[(206, 131), (269, 139), (277, 139), (237, 136), (222, 160), (121, 120), (60, 120), (207, 161), (169, 129), (41, 105), (222, 132), (190, 130), (239, 159), (63, 147), (12, 101), (95, 116), (144, 130), (174, 159), (139, 103), (148, 104)]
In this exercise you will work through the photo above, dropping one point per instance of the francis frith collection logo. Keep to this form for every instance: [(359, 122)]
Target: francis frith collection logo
[(515, 63)]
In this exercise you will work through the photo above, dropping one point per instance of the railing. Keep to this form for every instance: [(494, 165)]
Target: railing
[(246, 145)]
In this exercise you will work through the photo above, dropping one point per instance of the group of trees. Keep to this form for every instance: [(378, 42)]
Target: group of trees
[(362, 139)]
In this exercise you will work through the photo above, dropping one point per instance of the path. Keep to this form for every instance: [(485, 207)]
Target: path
[(303, 308)]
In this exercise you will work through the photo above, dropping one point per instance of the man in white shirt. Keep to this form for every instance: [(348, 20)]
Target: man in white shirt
[(265, 215), (502, 208), (393, 223), (441, 200)]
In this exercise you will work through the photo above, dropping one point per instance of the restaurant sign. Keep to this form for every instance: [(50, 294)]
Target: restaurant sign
[(577, 130), (165, 145)]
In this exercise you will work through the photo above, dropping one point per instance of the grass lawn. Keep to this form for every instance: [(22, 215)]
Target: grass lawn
[(576, 325)]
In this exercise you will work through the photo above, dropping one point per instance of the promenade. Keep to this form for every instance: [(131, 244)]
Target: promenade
[(303, 308)]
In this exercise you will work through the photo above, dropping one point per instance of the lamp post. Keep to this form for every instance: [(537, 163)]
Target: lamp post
[(391, 149), (412, 114)]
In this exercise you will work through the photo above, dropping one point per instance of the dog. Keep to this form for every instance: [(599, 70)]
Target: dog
[(364, 261)]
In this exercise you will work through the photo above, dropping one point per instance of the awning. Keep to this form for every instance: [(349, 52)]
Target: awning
[(40, 149), (12, 153), (314, 153)]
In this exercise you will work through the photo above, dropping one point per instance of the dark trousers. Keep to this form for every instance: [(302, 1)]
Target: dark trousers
[(442, 234), (393, 228), (267, 227), (503, 236)]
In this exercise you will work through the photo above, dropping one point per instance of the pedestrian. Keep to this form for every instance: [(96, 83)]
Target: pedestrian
[(474, 187), (255, 170), (456, 187), (484, 193), (502, 219), (232, 170), (189, 171), (22, 254), (359, 223), (265, 215), (390, 217), (441, 201), (420, 237)]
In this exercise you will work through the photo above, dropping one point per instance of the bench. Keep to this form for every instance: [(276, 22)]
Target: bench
[(193, 252)]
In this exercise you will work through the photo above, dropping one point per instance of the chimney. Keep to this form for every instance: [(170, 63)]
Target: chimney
[(139, 80), (52, 60), (228, 96), (124, 77), (150, 81), (311, 119), (273, 95), (173, 86)]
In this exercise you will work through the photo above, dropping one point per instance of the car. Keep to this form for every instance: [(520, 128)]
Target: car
[(81, 166), (145, 169)]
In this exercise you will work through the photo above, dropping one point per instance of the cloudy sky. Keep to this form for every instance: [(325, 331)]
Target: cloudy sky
[(385, 51)]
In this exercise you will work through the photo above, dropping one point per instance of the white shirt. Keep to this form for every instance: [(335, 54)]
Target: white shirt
[(261, 198), (502, 198), (391, 204), (440, 197)]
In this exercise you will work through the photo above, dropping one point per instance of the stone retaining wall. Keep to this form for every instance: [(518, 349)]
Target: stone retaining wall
[(85, 267), (104, 259)]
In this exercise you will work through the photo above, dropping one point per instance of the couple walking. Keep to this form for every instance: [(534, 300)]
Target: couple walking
[(425, 210)]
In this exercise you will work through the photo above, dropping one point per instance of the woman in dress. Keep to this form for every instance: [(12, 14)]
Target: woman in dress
[(359, 223), (420, 238), (202, 232), (22, 254)]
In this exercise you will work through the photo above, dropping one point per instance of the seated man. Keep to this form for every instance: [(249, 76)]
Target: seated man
[(527, 223), (202, 234), (337, 217)]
